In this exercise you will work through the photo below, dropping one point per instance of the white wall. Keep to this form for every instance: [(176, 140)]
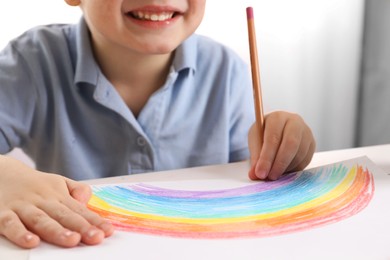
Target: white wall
[(309, 52)]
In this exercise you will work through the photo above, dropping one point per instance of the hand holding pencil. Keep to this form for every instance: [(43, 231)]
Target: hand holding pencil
[(280, 141)]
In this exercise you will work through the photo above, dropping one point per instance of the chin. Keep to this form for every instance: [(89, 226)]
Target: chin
[(162, 43), (159, 49)]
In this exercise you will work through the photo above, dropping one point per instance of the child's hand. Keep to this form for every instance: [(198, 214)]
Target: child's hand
[(36, 205), (288, 146)]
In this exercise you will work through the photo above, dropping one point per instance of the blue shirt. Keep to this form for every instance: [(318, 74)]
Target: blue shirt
[(57, 106)]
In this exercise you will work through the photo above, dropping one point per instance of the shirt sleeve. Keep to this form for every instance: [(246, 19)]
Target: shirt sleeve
[(241, 111), (17, 98)]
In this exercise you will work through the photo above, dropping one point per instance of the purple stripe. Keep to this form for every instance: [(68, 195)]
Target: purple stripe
[(250, 189)]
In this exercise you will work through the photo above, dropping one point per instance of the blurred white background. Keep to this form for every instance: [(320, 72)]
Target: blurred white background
[(309, 52)]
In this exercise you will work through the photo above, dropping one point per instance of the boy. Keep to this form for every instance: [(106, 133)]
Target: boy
[(129, 89)]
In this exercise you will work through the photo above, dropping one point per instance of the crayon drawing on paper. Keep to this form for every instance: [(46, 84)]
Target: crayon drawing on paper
[(296, 202)]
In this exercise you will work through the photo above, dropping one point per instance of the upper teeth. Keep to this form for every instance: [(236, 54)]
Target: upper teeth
[(153, 16)]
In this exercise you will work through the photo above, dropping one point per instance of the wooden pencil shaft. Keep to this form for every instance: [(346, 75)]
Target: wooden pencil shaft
[(255, 69)]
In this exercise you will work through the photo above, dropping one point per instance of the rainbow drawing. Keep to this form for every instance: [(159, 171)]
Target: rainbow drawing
[(296, 202)]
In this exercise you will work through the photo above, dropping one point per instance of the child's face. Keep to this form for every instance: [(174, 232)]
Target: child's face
[(132, 25)]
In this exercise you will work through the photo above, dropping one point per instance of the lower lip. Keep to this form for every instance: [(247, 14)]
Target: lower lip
[(153, 24)]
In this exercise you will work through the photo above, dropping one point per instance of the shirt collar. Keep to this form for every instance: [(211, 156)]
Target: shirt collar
[(87, 70), (185, 55)]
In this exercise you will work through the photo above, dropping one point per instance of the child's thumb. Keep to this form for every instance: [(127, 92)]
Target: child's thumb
[(79, 191)]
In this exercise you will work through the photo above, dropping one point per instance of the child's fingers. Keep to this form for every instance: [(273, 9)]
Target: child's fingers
[(290, 145), (305, 152), (82, 193), (273, 135), (78, 220), (50, 207), (301, 161), (48, 229), (13, 229), (283, 159), (93, 218)]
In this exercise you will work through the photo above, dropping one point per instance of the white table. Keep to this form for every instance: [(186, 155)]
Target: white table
[(380, 155)]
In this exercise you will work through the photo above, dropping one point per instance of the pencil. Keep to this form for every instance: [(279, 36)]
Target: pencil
[(255, 69)]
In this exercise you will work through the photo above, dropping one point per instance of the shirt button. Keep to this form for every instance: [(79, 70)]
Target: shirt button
[(141, 141)]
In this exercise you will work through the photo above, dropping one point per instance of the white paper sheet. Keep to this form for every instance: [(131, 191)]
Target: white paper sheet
[(364, 235)]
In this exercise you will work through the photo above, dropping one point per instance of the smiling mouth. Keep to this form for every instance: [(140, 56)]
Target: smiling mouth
[(152, 16)]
